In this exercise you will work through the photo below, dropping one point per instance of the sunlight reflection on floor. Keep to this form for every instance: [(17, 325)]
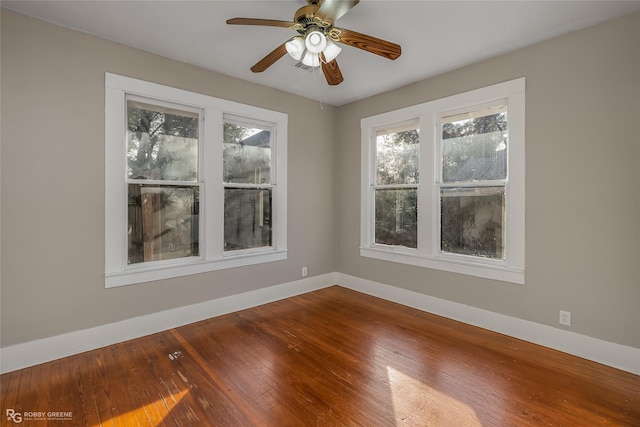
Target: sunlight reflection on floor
[(411, 397), (150, 414)]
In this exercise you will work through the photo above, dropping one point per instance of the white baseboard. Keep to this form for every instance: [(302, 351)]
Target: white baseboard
[(44, 350), (616, 355)]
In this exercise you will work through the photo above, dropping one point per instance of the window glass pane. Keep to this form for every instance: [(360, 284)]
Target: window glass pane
[(396, 217), (247, 154), (397, 156), (163, 222), (162, 143), (247, 218), (472, 221), (474, 146)]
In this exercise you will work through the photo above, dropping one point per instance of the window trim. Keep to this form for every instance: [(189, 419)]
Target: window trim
[(428, 254), (212, 256)]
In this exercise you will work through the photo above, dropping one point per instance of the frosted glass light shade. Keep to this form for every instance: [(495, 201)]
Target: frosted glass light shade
[(315, 42), (295, 47), (311, 59), (331, 51)]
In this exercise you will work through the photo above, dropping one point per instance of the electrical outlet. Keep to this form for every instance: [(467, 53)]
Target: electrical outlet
[(565, 318), (304, 271)]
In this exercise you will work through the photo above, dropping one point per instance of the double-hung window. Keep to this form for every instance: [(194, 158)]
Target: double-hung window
[(163, 181), (443, 184), (193, 183), (248, 184), (395, 186), (471, 181)]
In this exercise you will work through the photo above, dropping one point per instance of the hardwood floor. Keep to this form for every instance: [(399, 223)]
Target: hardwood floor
[(333, 357)]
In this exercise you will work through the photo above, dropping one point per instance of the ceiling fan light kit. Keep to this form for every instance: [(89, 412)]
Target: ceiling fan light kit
[(308, 48), (316, 43)]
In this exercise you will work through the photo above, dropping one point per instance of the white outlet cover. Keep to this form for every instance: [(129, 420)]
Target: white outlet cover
[(565, 318)]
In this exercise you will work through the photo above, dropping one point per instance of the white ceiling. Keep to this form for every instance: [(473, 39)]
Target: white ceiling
[(436, 36)]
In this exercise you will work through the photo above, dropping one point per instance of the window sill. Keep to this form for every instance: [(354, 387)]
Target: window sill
[(487, 271), (141, 275)]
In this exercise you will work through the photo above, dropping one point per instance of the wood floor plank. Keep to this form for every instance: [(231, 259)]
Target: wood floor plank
[(333, 357), (10, 386), (245, 371)]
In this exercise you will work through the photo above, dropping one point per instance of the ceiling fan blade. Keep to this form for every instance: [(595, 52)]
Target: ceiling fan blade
[(270, 59), (261, 22), (332, 72), (370, 44), (332, 10)]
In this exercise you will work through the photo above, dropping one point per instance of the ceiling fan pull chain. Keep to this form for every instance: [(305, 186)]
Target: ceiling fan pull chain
[(315, 72)]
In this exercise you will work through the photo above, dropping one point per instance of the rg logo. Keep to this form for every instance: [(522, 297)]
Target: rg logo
[(14, 416)]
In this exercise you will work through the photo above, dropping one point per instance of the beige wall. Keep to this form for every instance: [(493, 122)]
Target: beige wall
[(582, 194), (583, 202), (53, 183)]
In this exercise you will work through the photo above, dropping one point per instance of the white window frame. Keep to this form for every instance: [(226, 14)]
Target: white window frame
[(212, 255), (428, 253)]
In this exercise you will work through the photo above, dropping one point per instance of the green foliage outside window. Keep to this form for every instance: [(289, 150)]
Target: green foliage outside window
[(396, 208)]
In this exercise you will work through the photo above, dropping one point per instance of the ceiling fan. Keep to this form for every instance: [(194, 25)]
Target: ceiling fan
[(315, 45)]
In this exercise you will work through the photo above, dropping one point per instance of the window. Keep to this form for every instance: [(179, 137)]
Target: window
[(472, 180), (395, 187), (443, 184), (248, 184), (193, 183), (163, 181)]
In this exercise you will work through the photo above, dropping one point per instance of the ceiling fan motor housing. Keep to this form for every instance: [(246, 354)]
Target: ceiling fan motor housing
[(306, 18)]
